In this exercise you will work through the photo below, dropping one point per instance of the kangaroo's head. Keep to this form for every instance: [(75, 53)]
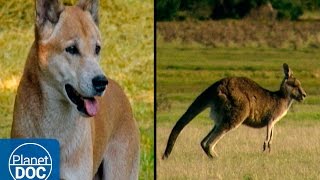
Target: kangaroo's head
[(291, 86)]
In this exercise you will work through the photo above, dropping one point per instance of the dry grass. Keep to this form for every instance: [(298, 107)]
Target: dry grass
[(185, 70), (244, 33), (295, 153)]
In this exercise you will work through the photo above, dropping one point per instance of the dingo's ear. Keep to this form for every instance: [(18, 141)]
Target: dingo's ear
[(92, 6), (287, 71), (47, 11)]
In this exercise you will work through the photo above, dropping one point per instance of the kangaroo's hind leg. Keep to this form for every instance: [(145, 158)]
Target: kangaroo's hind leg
[(225, 122), (204, 141), (209, 142)]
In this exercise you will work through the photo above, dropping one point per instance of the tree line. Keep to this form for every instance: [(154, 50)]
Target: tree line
[(167, 10)]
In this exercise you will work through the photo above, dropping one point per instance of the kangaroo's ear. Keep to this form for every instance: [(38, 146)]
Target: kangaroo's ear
[(47, 13), (287, 71), (92, 6)]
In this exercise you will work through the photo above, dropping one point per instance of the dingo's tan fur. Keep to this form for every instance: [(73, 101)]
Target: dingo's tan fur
[(238, 100), (62, 95)]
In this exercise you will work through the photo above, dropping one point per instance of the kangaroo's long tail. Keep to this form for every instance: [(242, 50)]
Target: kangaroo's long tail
[(201, 103)]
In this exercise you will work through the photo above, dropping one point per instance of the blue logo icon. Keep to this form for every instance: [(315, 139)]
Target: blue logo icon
[(27, 159), (23, 164)]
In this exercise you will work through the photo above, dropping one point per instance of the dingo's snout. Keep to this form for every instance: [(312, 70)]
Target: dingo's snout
[(99, 83)]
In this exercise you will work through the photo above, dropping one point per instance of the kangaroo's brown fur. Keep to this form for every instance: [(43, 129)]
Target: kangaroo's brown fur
[(239, 100)]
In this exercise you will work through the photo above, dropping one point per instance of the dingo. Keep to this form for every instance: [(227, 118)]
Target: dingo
[(61, 96)]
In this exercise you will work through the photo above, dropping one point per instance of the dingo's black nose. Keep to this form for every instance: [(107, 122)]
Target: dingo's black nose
[(99, 83)]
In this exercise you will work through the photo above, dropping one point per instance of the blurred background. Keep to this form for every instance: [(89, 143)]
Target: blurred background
[(202, 41), (126, 56)]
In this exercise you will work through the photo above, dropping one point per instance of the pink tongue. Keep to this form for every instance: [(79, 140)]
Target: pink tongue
[(91, 106)]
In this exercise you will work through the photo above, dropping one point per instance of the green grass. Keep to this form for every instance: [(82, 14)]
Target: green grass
[(185, 70), (127, 57)]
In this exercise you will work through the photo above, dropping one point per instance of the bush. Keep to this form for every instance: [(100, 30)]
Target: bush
[(234, 8), (311, 5), (166, 9), (198, 9), (287, 9), (220, 9)]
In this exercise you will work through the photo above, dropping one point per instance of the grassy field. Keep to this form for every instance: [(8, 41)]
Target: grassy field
[(185, 70), (127, 57)]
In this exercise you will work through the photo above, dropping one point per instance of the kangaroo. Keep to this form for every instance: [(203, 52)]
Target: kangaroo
[(239, 100), (64, 94)]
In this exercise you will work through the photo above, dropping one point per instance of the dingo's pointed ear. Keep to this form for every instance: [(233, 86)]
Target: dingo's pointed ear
[(47, 12), (287, 71), (92, 6)]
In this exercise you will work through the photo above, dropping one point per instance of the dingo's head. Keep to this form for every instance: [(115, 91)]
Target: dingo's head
[(291, 86), (68, 46)]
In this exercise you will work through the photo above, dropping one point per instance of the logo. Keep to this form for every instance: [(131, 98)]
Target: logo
[(24, 164), (26, 159)]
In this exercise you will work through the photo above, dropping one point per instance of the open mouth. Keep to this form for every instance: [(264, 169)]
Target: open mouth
[(85, 105)]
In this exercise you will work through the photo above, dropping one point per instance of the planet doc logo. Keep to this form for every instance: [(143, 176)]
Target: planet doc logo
[(30, 161)]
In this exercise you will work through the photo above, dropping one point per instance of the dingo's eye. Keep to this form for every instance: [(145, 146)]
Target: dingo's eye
[(72, 50), (97, 50)]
